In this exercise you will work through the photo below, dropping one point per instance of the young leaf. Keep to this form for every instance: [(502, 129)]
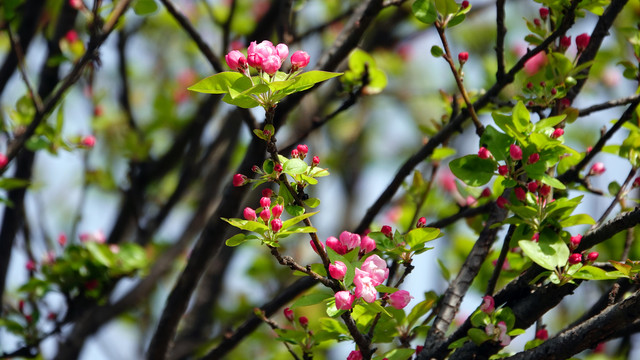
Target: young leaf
[(473, 170), (236, 240), (425, 11), (216, 84)]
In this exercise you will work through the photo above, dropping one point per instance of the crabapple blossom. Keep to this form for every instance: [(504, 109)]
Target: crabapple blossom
[(557, 133), (355, 355), (521, 194), (295, 153), (377, 269), (277, 210), (62, 239), (344, 300), (337, 246), (313, 246), (282, 51), (422, 222), (597, 169), (545, 190), (488, 304), (515, 152), (88, 141), (386, 230), (249, 214), (4, 160), (350, 240), (575, 258), (503, 170), (239, 180), (367, 244), (265, 202), (533, 158), (288, 313), (299, 59), (365, 286), (316, 160), (338, 270), (532, 186), (265, 215), (544, 12), (276, 225), (302, 149), (463, 57), (498, 333), (484, 153), (582, 41), (542, 334), (575, 240), (236, 61), (400, 299), (593, 256)]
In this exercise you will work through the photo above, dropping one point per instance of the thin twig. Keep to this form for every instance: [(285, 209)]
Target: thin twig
[(608, 105), (491, 286), (35, 97), (621, 192)]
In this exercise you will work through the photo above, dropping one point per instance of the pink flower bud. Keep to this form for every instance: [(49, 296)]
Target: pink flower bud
[(422, 222), (582, 41), (31, 265), (255, 61), (21, 306), (62, 239), (249, 214), (557, 133), (255, 169), (545, 190), (597, 169), (484, 153), (400, 299), (575, 258), (636, 182), (4, 160), (277, 210), (419, 349), (52, 316), (521, 194), (313, 246), (488, 304), (350, 240), (387, 231), (265, 202), (265, 215), (565, 42), (76, 4), (303, 321), (554, 91), (288, 314), (529, 85), (28, 318), (536, 22), (533, 158), (239, 180), (535, 237), (276, 225), (515, 151), (338, 270), (463, 57), (266, 192), (376, 268), (592, 256), (575, 241), (355, 355), (544, 12), (503, 170), (271, 65), (486, 192), (465, 4), (88, 141), (303, 149), (277, 168), (71, 36), (367, 244), (542, 334), (335, 245), (316, 161), (502, 202), (532, 186), (236, 61), (294, 153), (282, 51), (344, 299), (299, 59)]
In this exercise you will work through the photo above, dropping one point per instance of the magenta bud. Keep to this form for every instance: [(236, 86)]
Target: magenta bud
[(575, 258), (249, 214)]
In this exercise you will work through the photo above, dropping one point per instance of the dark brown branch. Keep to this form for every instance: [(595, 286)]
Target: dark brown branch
[(491, 286), (501, 33), (608, 105), (618, 196)]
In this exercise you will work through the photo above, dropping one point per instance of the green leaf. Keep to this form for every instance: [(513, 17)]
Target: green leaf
[(516, 332), (307, 79), (377, 82), (548, 252), (101, 253), (416, 238), (247, 225), (548, 122), (216, 84), (132, 257), (375, 308), (236, 240), (294, 210), (386, 289), (312, 202), (436, 51), (422, 308), (578, 219), (446, 274), (446, 7), (425, 11), (458, 343), (294, 166), (589, 272), (521, 117), (296, 220), (398, 354), (243, 101), (480, 318), (478, 336), (553, 182), (498, 143), (473, 170), (310, 299), (442, 153), (13, 183), (144, 7)]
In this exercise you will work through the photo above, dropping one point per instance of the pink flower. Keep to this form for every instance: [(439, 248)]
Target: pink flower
[(299, 59), (575, 241), (344, 300), (400, 299), (88, 141), (62, 239), (282, 51), (592, 256), (422, 222), (557, 133), (303, 149), (264, 49), (355, 355), (365, 286), (338, 270), (265, 215), (265, 202), (4, 160), (463, 57), (503, 170), (542, 334), (377, 269), (31, 265), (544, 12), (335, 245), (255, 61), (483, 153), (533, 158), (597, 169), (582, 41), (236, 61), (502, 202), (367, 244), (521, 194), (575, 258), (288, 313), (276, 225), (239, 180), (271, 65), (498, 333), (97, 236), (535, 63), (532, 186), (350, 240), (316, 161), (488, 304), (249, 214), (277, 210), (515, 151), (313, 246)]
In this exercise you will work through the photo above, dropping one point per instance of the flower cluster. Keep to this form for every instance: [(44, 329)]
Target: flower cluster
[(264, 57), (266, 213), (348, 241)]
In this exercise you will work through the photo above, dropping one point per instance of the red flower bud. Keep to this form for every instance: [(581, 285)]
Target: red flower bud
[(387, 230), (521, 194), (266, 192), (288, 313), (582, 41), (536, 22), (636, 182), (554, 91), (463, 57), (545, 190), (484, 153), (303, 149), (249, 214), (502, 202), (532, 186), (316, 161), (575, 258), (593, 256), (88, 141), (544, 12), (565, 42), (265, 215), (294, 153), (503, 170), (277, 210), (265, 202), (557, 133), (529, 85), (486, 192), (533, 158), (239, 180), (515, 151), (465, 4), (575, 240), (303, 321), (277, 168), (276, 225), (535, 237), (422, 222), (597, 169), (4, 160), (542, 334)]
